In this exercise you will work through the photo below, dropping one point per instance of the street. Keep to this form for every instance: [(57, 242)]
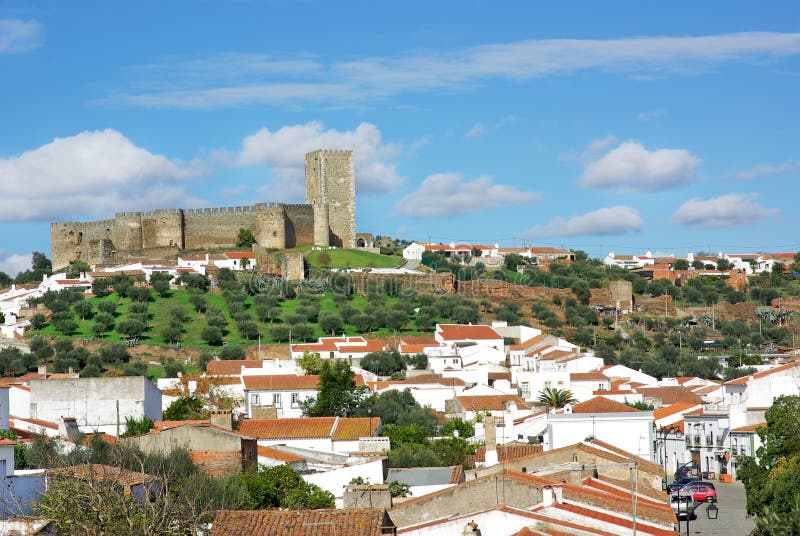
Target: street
[(731, 520)]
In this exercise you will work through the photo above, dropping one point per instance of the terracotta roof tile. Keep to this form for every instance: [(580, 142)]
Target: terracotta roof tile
[(490, 402), (350, 429), (672, 409), (460, 332), (276, 454), (750, 428), (349, 522), (670, 394), (600, 404), (98, 471), (337, 428), (240, 255), (587, 376), (505, 453), (232, 367), (280, 382)]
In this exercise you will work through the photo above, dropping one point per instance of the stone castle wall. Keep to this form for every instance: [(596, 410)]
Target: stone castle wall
[(328, 218)]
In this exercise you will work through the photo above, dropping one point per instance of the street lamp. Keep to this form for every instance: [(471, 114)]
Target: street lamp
[(712, 511)]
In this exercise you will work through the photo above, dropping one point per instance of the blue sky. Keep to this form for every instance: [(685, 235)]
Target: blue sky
[(623, 126)]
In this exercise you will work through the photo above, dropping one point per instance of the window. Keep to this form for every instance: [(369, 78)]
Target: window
[(548, 385), (601, 387), (295, 399), (526, 389), (255, 399), (276, 399)]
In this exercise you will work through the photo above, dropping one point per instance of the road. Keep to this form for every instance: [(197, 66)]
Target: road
[(731, 520)]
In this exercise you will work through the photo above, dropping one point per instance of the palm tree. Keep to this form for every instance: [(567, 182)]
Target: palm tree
[(556, 398)]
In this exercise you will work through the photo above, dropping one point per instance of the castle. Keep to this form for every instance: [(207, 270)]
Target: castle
[(328, 218)]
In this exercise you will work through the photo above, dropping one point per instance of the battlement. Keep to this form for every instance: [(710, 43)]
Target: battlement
[(326, 218), (220, 210)]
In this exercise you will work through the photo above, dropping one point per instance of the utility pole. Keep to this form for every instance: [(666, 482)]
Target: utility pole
[(117, 418)]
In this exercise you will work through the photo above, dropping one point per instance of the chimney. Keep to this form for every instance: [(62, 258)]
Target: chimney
[(42, 371), (68, 428), (490, 433), (222, 419)]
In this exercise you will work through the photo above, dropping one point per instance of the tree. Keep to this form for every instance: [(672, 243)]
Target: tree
[(383, 363), (680, 264), (310, 363), (282, 487), (131, 328), (186, 408), (232, 353), (171, 334), (556, 398), (245, 239), (136, 427), (330, 322), (212, 335), (465, 428), (64, 322), (161, 287), (38, 321), (83, 309), (337, 392), (773, 483)]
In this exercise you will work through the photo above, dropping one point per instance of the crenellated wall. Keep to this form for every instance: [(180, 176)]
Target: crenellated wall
[(328, 218)]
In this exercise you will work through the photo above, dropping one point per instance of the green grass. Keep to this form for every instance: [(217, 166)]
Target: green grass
[(351, 258)]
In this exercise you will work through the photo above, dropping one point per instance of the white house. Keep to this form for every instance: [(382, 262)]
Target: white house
[(97, 404), (414, 251), (490, 343), (612, 422), (281, 392), (344, 347), (323, 434), (629, 262), (749, 397)]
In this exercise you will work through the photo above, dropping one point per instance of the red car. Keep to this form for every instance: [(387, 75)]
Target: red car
[(700, 492)]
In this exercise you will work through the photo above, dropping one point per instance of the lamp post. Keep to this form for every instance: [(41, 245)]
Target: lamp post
[(711, 511)]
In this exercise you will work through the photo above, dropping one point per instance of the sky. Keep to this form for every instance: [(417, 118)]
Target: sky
[(602, 126)]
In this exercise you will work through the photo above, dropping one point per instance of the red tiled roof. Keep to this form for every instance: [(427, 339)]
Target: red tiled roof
[(557, 354), (505, 453), (337, 428), (678, 407), (489, 402), (670, 394), (164, 425), (37, 422), (601, 404), (350, 429), (280, 382), (240, 254), (587, 376), (526, 344), (280, 455), (231, 367), (460, 332), (345, 522), (96, 471), (748, 429)]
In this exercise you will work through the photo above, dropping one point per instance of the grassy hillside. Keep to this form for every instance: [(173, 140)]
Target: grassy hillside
[(161, 312), (351, 258)]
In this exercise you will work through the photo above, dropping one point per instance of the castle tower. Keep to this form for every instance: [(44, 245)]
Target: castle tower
[(330, 179)]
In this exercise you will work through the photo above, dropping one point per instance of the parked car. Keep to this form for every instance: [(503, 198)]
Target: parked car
[(700, 492), (682, 505), (681, 482)]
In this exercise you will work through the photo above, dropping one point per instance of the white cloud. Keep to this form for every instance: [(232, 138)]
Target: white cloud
[(20, 36), (283, 151), (447, 194), (768, 170), (14, 263), (617, 220), (98, 172), (632, 168), (730, 210), (211, 83), (477, 131), (650, 115), (592, 149)]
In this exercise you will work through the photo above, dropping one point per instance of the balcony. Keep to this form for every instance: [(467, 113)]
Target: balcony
[(720, 441), (697, 439), (709, 440), (734, 450)]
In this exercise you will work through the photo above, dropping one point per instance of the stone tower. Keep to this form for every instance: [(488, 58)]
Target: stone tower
[(330, 180)]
